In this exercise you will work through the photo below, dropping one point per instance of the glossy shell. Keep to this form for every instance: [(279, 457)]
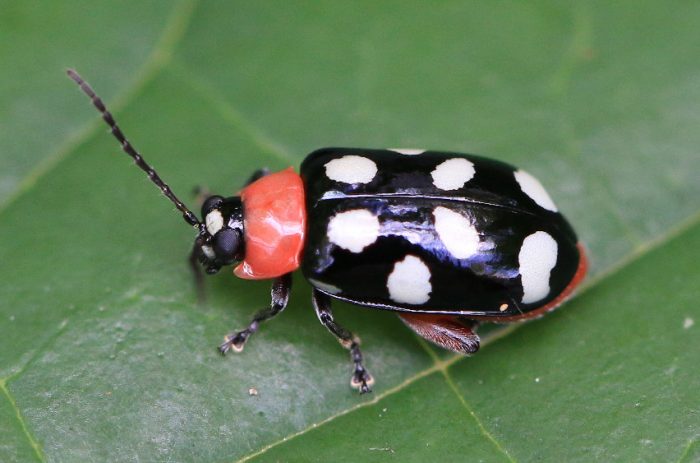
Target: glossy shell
[(435, 232)]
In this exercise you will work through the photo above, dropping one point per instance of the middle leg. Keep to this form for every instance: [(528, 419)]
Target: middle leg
[(361, 379)]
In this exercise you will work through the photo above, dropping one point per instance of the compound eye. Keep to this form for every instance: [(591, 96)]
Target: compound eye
[(226, 243), (211, 203)]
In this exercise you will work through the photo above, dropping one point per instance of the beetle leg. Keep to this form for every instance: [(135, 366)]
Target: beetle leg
[(197, 272), (257, 175), (281, 288), (361, 379), (450, 332), (201, 193)]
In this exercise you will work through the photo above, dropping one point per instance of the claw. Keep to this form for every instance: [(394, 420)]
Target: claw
[(234, 343), (224, 347), (362, 382), (238, 347)]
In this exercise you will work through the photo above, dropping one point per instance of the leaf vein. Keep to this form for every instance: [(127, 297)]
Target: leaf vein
[(428, 371), (20, 419), (444, 365), (580, 44), (161, 54), (49, 341), (485, 432), (687, 449), (207, 91)]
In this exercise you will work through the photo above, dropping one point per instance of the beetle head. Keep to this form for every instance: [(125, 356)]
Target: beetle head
[(220, 242), (220, 238)]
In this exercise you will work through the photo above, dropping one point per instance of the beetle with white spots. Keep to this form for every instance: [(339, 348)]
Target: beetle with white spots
[(446, 240), (437, 233)]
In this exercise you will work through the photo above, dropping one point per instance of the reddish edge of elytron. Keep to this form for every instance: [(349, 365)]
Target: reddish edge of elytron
[(274, 223), (563, 296)]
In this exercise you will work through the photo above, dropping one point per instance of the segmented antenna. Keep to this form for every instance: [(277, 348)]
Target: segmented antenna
[(188, 215)]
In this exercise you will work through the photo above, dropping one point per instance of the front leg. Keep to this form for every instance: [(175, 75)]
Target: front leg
[(361, 379), (194, 261), (281, 288)]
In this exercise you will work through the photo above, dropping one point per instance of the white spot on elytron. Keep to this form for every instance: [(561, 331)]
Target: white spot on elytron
[(325, 287), (353, 230), (409, 282), (407, 151), (688, 322), (453, 173), (534, 189), (537, 258), (214, 221), (456, 232), (208, 251), (351, 169)]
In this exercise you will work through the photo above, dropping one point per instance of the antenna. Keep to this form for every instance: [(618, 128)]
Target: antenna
[(187, 214)]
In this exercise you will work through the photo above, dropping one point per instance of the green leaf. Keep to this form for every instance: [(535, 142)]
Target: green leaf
[(104, 352)]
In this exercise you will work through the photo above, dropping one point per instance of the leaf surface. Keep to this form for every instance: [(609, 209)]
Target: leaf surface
[(105, 353)]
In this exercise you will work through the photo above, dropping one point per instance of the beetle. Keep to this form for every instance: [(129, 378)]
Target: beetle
[(446, 240)]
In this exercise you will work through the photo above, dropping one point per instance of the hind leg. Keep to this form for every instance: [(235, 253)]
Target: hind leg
[(447, 331)]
